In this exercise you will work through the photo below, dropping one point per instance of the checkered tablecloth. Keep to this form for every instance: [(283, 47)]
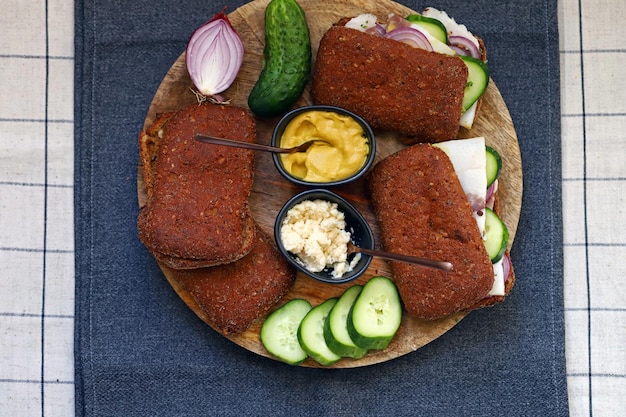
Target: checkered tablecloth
[(36, 206), (593, 109)]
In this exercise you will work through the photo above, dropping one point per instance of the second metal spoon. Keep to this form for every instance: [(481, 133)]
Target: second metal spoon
[(430, 263)]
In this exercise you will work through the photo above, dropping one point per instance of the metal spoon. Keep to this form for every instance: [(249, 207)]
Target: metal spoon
[(430, 263), (255, 146)]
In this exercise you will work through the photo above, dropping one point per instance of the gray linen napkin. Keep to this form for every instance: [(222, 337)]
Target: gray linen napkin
[(141, 352)]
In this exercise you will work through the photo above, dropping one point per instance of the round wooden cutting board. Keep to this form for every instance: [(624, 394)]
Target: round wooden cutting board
[(270, 190)]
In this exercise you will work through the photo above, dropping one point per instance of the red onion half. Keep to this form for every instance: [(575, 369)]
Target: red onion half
[(410, 36), (214, 56)]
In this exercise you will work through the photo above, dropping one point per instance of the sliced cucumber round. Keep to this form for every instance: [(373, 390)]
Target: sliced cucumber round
[(336, 326), (433, 26), (279, 333), (477, 80), (496, 235), (311, 334), (375, 316), (494, 164)]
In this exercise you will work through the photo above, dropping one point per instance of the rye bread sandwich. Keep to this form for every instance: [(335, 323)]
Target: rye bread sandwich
[(429, 203), (197, 212), (421, 76)]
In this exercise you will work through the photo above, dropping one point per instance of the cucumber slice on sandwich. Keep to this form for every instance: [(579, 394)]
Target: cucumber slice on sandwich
[(376, 314), (311, 334), (494, 164), (279, 333), (336, 326), (496, 235), (432, 26), (477, 80)]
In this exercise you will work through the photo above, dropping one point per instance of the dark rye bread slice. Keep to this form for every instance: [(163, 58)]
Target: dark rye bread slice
[(423, 211), (392, 85), (235, 295), (197, 212), (149, 140)]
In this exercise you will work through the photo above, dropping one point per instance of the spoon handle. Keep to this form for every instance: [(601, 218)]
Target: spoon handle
[(431, 263), (239, 144)]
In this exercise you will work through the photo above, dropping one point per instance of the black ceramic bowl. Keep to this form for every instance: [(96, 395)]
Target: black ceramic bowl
[(360, 234), (284, 121)]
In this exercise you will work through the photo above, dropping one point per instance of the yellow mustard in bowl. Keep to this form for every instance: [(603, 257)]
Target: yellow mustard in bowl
[(340, 150)]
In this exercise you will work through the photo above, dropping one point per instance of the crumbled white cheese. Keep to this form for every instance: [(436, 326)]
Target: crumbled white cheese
[(314, 230)]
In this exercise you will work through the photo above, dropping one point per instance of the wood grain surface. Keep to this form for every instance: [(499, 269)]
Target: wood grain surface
[(270, 190)]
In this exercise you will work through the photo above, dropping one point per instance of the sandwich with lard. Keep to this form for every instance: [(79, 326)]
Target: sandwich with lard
[(422, 75), (435, 201)]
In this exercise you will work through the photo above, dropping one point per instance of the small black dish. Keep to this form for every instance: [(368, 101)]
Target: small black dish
[(361, 235), (287, 118)]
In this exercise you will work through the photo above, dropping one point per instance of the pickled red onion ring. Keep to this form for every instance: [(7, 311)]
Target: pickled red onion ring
[(463, 46), (410, 36), (506, 266)]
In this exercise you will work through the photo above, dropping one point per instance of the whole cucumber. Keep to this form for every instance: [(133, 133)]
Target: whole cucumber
[(287, 59)]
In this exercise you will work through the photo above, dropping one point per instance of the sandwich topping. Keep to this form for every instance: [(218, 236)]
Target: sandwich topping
[(339, 151), (432, 30), (460, 39), (314, 230), (469, 159)]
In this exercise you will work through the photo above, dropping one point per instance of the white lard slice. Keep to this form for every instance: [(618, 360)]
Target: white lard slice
[(362, 22), (470, 164), (498, 281)]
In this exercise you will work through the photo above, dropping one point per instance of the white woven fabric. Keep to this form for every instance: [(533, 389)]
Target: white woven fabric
[(36, 208), (593, 123)]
